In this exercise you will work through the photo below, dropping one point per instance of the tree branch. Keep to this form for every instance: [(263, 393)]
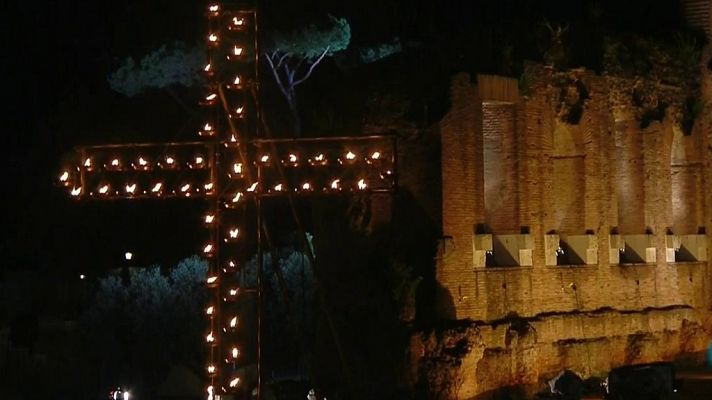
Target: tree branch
[(311, 67), (276, 76)]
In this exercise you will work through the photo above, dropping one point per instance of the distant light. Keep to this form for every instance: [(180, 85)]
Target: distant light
[(127, 395), (82, 276), (128, 256)]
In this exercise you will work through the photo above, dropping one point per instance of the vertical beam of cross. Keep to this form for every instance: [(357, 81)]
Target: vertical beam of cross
[(231, 166)]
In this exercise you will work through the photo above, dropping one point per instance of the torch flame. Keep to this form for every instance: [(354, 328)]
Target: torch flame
[(240, 109), (214, 8), (319, 157), (233, 322)]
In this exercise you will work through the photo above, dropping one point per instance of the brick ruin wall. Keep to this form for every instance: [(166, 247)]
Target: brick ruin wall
[(511, 168)]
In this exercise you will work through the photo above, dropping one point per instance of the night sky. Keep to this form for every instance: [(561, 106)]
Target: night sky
[(58, 56)]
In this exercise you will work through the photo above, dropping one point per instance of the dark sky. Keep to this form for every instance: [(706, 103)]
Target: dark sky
[(58, 54)]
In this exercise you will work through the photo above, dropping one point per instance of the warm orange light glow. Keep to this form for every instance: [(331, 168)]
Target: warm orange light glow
[(208, 249), (142, 162), (292, 158), (210, 310), (376, 155), (237, 168), (335, 183), (233, 292), (306, 186), (319, 157), (208, 186), (278, 187), (210, 338), (232, 264), (237, 197), (213, 38), (212, 279), (238, 21), (233, 139), (239, 110), (237, 80), (212, 369), (237, 51), (209, 218), (170, 160), (185, 187), (252, 187), (208, 67), (104, 189), (211, 97), (235, 352), (115, 162), (211, 390), (214, 8), (199, 160), (64, 177), (233, 322), (87, 163), (234, 233), (157, 187), (76, 191), (362, 184), (350, 156), (130, 188), (264, 158), (234, 383)]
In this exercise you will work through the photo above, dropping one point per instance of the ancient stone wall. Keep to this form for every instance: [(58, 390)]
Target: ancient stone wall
[(570, 162)]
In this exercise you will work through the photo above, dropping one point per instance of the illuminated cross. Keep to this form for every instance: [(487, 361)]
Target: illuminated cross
[(232, 164)]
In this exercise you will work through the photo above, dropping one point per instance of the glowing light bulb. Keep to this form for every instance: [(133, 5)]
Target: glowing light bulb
[(214, 8), (237, 197), (208, 186), (212, 279), (208, 249), (292, 158), (233, 292), (76, 191), (238, 21), (104, 189), (239, 110), (157, 187), (233, 139), (211, 97), (128, 256), (232, 264), (142, 162), (210, 393), (130, 188), (235, 352), (237, 50), (208, 67), (211, 369), (210, 338), (213, 38), (209, 218), (376, 155), (115, 162), (252, 187), (362, 184), (264, 158), (170, 160), (306, 186), (64, 177), (234, 233), (87, 163), (234, 383), (237, 167), (350, 156), (207, 127), (335, 183), (210, 310), (237, 80), (199, 160), (185, 187), (278, 187), (233, 322)]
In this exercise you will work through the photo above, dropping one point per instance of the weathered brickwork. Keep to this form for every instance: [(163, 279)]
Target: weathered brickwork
[(520, 167)]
